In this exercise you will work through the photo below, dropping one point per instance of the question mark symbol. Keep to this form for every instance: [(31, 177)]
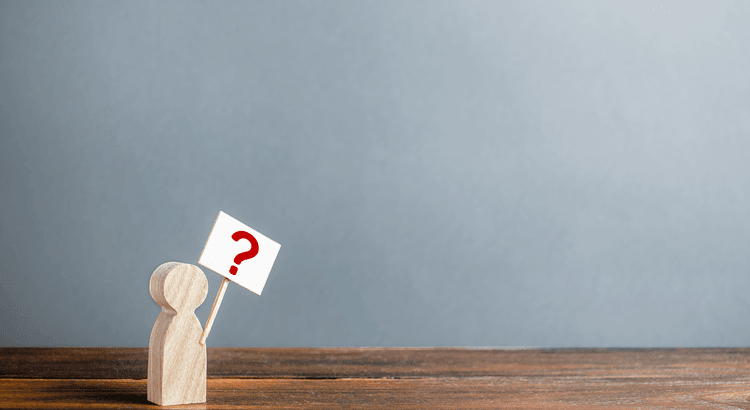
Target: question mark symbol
[(244, 255)]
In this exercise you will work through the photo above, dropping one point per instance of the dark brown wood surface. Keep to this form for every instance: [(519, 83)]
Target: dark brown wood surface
[(391, 378)]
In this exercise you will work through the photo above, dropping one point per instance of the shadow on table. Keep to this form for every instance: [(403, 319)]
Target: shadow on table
[(126, 393)]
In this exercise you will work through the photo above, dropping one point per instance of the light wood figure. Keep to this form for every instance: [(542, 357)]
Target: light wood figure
[(176, 358)]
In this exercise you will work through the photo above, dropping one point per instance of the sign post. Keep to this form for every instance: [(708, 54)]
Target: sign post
[(240, 254)]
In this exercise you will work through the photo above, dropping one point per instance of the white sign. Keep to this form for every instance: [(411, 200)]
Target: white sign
[(239, 253)]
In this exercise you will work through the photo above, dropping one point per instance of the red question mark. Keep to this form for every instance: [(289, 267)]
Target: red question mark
[(244, 255)]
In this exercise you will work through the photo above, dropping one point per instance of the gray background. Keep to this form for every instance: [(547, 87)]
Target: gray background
[(438, 173)]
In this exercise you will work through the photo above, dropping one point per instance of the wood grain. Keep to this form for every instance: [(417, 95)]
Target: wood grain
[(293, 362), (420, 393), (399, 378), (176, 357)]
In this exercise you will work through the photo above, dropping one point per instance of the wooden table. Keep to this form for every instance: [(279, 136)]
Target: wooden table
[(398, 378)]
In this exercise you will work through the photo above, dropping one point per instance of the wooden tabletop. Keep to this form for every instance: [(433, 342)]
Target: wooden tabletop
[(399, 378)]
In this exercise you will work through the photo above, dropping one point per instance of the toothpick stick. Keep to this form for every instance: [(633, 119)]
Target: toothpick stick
[(214, 309)]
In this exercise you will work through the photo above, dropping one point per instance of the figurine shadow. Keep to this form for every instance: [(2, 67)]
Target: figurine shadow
[(114, 392)]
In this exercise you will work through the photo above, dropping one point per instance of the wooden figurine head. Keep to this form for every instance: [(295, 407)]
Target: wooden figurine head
[(178, 286)]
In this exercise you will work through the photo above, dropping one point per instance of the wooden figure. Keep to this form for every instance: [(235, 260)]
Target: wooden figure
[(176, 358)]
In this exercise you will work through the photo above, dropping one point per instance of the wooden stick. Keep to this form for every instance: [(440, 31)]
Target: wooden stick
[(214, 309)]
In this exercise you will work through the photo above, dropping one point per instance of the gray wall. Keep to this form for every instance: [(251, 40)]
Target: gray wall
[(460, 173)]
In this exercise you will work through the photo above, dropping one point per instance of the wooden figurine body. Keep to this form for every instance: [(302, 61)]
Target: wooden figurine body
[(176, 359)]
